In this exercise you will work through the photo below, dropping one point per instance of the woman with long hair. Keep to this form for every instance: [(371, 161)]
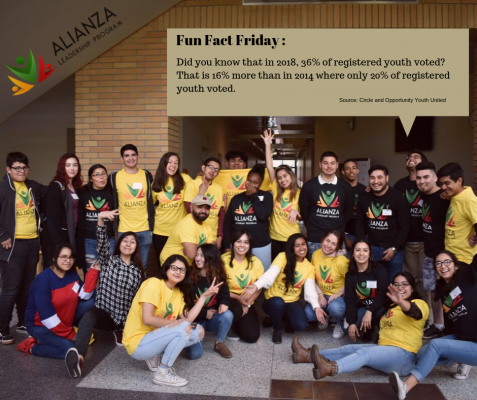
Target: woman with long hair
[(285, 280), (58, 300), (95, 197), (168, 193), (251, 210), (242, 269), (286, 192), (330, 270), (61, 206), (161, 317), (400, 337), (121, 275), (215, 315), (456, 288)]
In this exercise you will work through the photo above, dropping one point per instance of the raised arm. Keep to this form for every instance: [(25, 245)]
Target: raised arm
[(267, 139), (102, 247)]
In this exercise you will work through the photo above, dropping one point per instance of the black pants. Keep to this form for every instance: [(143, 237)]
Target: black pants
[(248, 326), (159, 242), (95, 318), (277, 247), (17, 275)]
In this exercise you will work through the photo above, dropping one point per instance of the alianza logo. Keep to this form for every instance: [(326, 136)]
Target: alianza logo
[(426, 213), (328, 200), (450, 218), (29, 73), (238, 182), (284, 205), (413, 197), (376, 211)]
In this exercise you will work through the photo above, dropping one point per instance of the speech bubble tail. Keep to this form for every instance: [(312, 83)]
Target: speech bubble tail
[(407, 121)]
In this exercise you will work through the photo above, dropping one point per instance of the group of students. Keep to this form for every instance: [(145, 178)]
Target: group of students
[(221, 241)]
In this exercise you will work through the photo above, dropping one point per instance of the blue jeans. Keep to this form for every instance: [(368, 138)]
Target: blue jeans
[(220, 323), (145, 241), (352, 357), (374, 319), (169, 341), (312, 247), (442, 351), (91, 255), (264, 254), (394, 266), (276, 309), (336, 309), (50, 344)]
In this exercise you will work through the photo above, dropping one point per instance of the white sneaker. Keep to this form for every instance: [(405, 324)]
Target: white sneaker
[(325, 325), (463, 371), (338, 332), (168, 377), (153, 363), (398, 385)]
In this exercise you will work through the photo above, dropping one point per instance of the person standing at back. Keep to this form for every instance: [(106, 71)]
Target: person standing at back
[(132, 195)]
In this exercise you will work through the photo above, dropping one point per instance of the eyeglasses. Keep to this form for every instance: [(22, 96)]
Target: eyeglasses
[(413, 158), (21, 169), (212, 168), (175, 268), (99, 175), (441, 264), (66, 258), (404, 285)]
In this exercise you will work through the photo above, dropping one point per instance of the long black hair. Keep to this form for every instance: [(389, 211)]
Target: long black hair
[(442, 287), (185, 286), (353, 267), (136, 259), (213, 265), (161, 178), (414, 295), (290, 266), (236, 235)]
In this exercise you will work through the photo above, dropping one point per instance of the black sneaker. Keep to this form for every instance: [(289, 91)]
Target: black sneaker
[(277, 337), (21, 328), (73, 363), (6, 339), (432, 332)]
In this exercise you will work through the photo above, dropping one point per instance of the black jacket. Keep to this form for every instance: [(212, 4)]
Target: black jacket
[(8, 210), (150, 205)]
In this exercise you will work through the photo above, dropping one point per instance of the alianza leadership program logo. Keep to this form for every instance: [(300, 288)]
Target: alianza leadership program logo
[(29, 73)]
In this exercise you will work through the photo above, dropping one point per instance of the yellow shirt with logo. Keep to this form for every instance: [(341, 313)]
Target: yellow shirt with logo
[(460, 220), (329, 272), (232, 182), (397, 329), (186, 231), (215, 194), (170, 208), (132, 200), (303, 271), (242, 274), (280, 228), (26, 227), (168, 304)]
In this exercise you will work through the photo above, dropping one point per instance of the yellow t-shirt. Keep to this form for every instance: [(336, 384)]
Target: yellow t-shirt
[(132, 198), (303, 271), (460, 220), (215, 194), (170, 208), (186, 231), (280, 228), (232, 182), (169, 304), (239, 277), (397, 329), (26, 227), (329, 271)]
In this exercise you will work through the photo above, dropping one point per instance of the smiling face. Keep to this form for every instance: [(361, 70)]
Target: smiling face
[(128, 245), (362, 254), (350, 171), (130, 158), (255, 182), (378, 181), (329, 245), (404, 287), (99, 178), (284, 179), (199, 258), (172, 165), (300, 249), (211, 170), (71, 167), (450, 187), (236, 163), (242, 246), (329, 165), (21, 175), (176, 272), (426, 180), (412, 160), (64, 262), (445, 266)]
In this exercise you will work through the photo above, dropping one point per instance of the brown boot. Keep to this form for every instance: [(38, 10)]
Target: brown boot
[(322, 367), (300, 354), (222, 349)]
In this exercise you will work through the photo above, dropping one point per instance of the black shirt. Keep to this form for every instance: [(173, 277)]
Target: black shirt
[(91, 203), (356, 192), (413, 196), (213, 302), (434, 211), (384, 218)]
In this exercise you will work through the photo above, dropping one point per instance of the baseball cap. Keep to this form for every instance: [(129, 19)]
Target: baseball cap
[(201, 200)]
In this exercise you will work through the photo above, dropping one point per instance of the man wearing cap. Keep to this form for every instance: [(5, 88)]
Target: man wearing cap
[(190, 232)]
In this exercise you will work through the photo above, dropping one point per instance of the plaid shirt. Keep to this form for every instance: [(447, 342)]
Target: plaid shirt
[(118, 281)]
